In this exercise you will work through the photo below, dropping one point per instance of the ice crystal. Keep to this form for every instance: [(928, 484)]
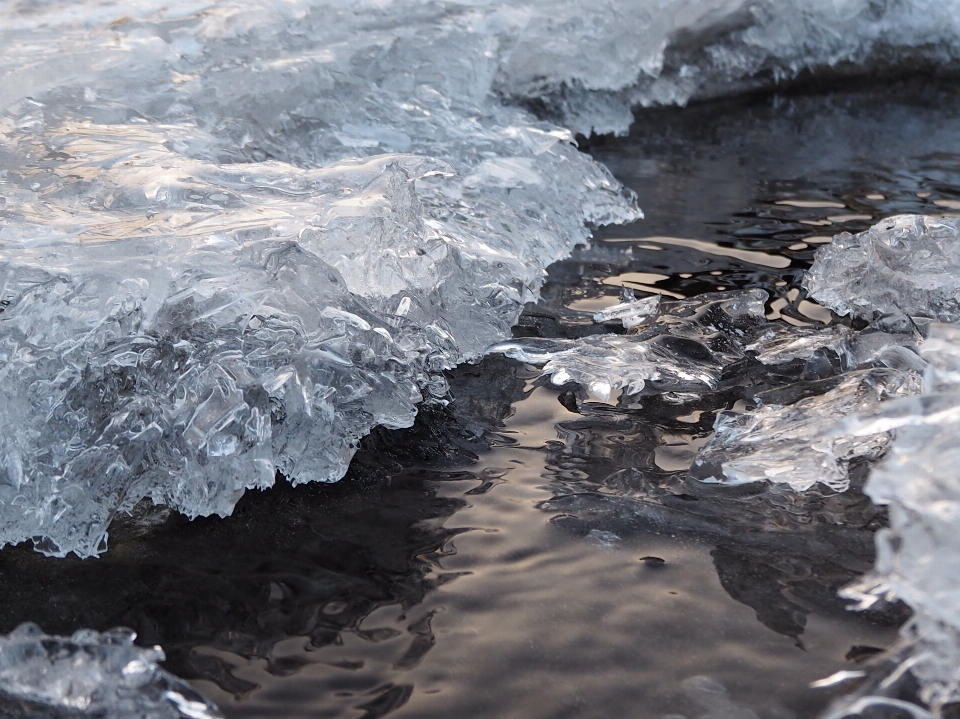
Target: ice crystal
[(903, 270), (797, 444), (244, 236), (91, 674), (917, 558)]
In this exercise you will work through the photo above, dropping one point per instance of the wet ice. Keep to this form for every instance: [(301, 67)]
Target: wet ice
[(91, 674)]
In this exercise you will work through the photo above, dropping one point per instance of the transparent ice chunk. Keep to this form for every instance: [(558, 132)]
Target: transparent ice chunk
[(903, 269), (797, 444), (244, 235), (676, 346), (91, 674), (684, 345), (918, 558)]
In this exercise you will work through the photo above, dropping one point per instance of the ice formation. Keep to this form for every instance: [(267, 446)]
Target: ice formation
[(899, 274), (675, 346), (798, 444), (246, 236), (917, 556), (236, 236), (92, 674), (903, 271), (686, 345)]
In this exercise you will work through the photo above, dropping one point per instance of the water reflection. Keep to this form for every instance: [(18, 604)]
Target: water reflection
[(564, 571)]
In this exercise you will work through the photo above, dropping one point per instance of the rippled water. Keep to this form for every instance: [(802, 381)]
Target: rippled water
[(526, 552)]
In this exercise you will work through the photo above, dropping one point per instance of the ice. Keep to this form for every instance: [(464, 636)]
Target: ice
[(676, 346), (918, 556), (245, 234), (900, 275), (682, 345), (632, 313), (91, 674), (237, 236), (903, 270), (586, 63), (798, 444), (689, 346)]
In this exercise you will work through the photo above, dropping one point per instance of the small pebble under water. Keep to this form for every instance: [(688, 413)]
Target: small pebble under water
[(528, 552)]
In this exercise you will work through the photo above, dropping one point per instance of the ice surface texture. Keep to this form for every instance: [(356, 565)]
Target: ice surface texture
[(91, 674), (797, 444), (900, 274), (684, 345), (245, 236), (674, 346), (688, 345), (917, 556), (904, 270), (236, 236), (587, 61)]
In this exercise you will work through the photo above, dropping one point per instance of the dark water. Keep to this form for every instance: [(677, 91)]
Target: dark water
[(528, 553)]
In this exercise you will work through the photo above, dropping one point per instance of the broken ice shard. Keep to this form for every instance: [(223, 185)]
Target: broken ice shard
[(93, 674), (797, 444), (904, 270)]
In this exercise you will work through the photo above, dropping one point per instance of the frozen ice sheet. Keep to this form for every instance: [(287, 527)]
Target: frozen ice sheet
[(91, 674), (236, 236)]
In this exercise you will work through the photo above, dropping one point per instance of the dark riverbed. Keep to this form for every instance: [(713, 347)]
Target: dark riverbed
[(524, 551)]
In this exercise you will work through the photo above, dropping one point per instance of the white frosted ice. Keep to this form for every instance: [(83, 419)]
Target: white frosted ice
[(93, 674)]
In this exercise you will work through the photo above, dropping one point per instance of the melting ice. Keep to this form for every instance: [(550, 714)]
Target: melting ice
[(237, 236), (91, 674), (900, 274), (246, 237)]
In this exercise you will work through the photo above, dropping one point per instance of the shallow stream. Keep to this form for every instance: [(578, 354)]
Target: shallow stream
[(527, 551)]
